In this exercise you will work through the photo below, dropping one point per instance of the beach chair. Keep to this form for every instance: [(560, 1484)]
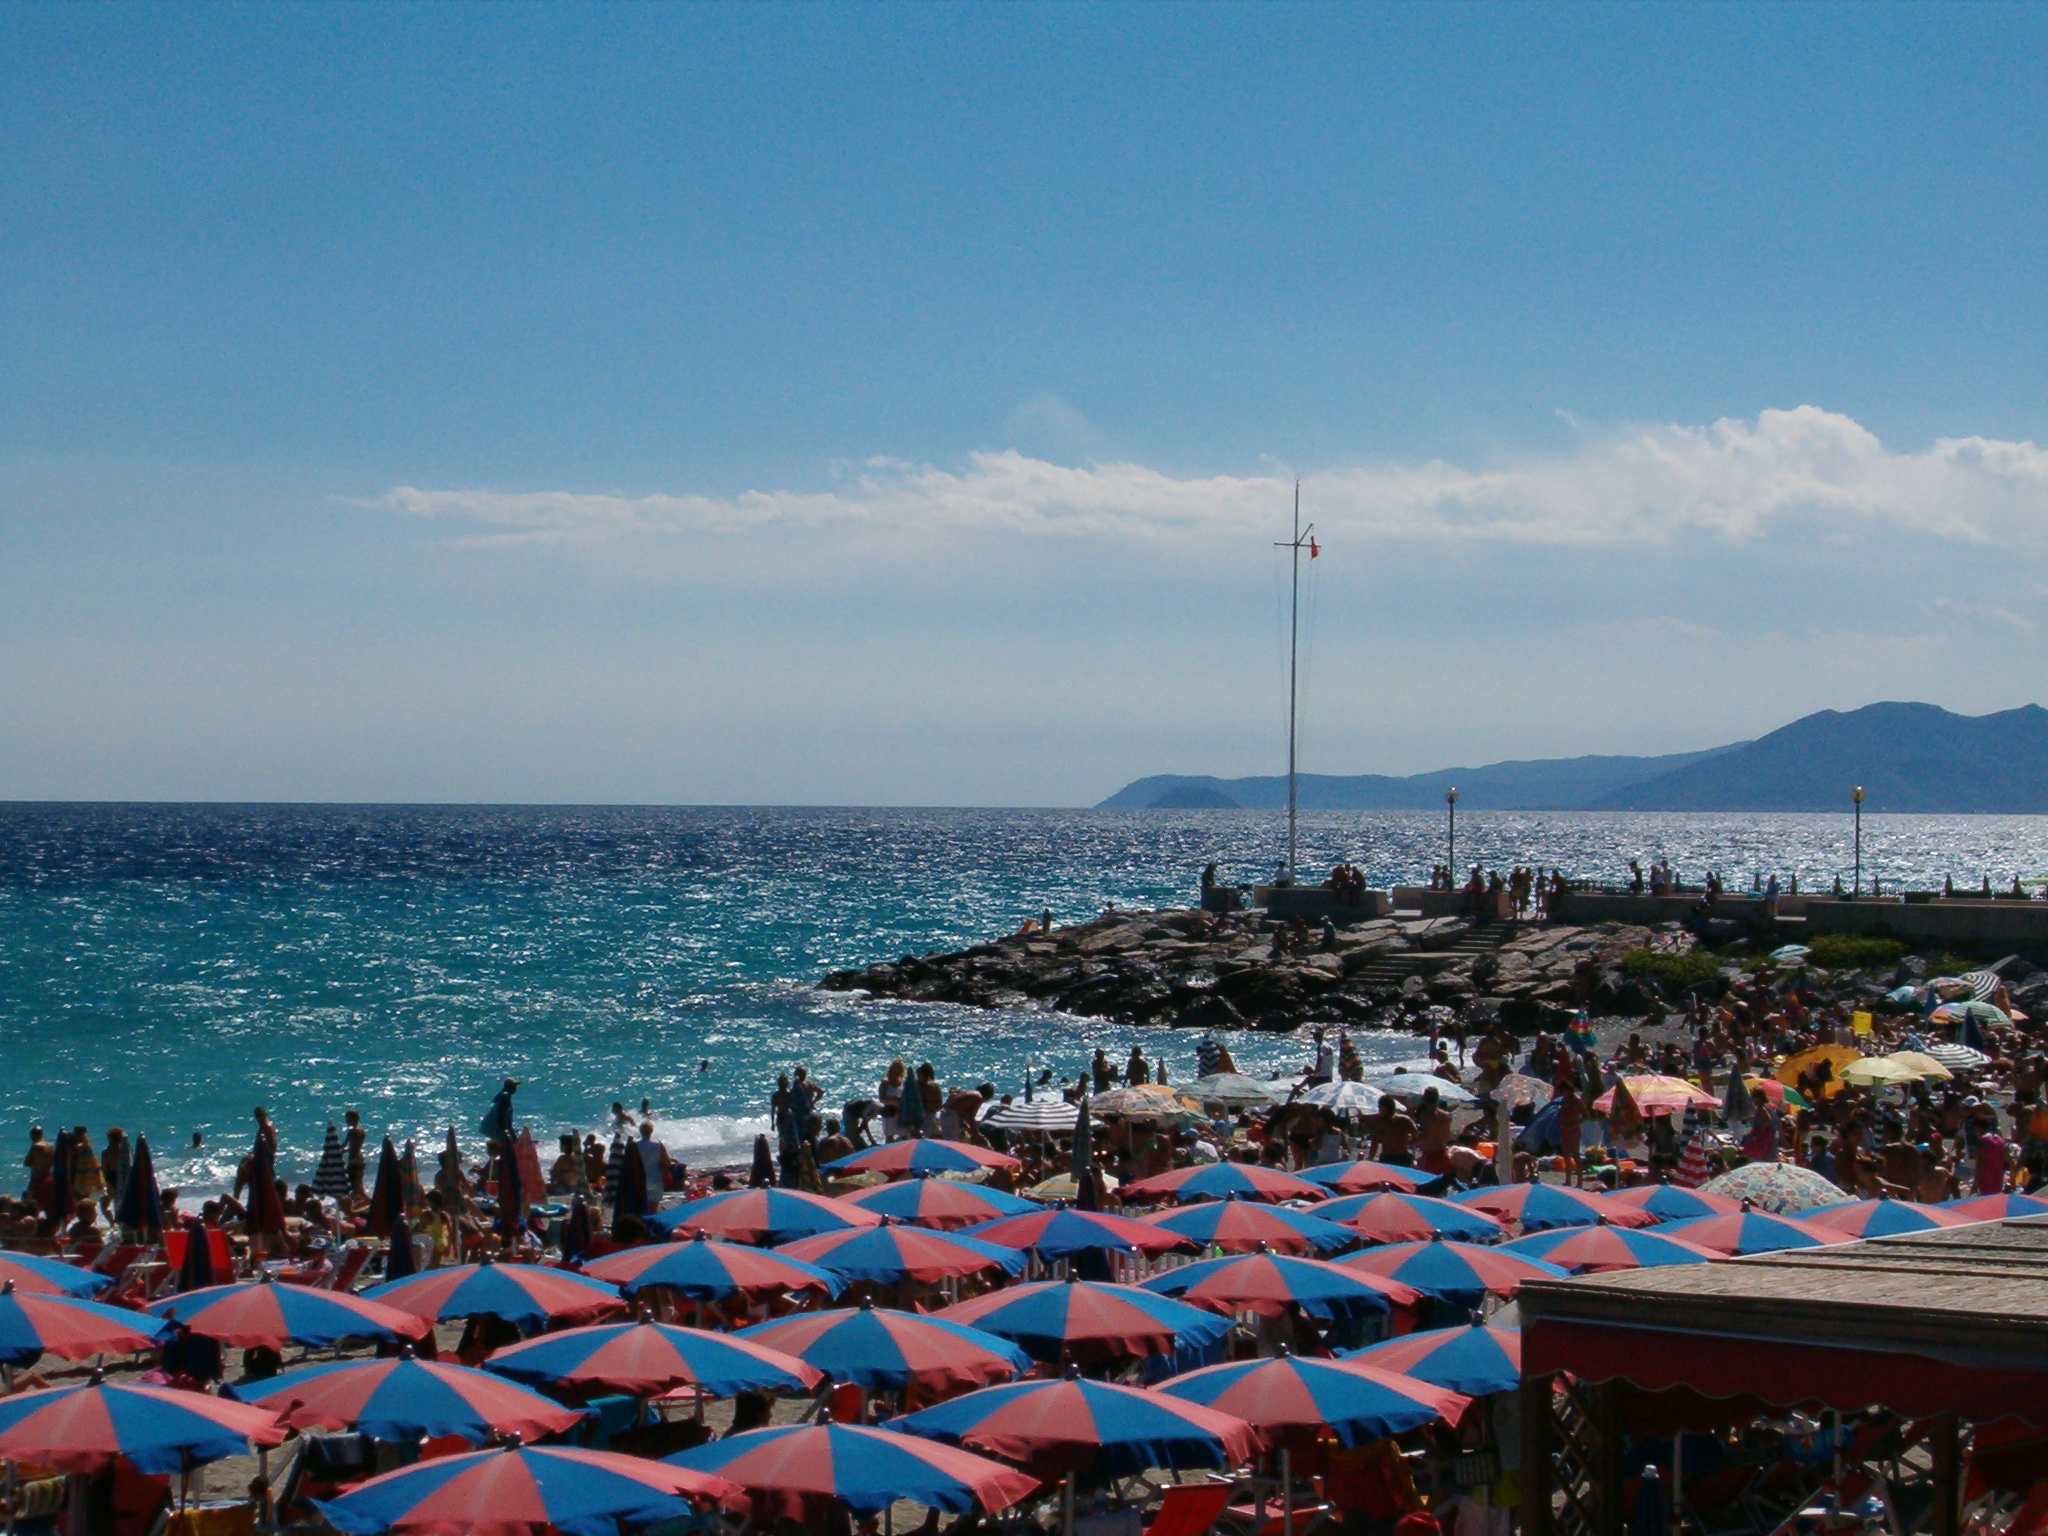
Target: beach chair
[(1189, 1509), (352, 1261)]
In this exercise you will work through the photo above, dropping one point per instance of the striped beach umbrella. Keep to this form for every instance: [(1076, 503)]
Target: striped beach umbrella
[(1296, 1399), (527, 1490), (1095, 1427), (523, 1294), (760, 1216), (887, 1254), (31, 1274), (1997, 1207), (1060, 1234), (1267, 1283), (264, 1313), (885, 1350), (1747, 1231), (1598, 1249), (922, 1155), (1246, 1226), (945, 1205), (1462, 1274), (1885, 1217), (36, 1323), (1476, 1360), (1393, 1217), (648, 1359), (1537, 1206), (330, 1179), (1086, 1319), (405, 1400), (804, 1469), (704, 1270), (1212, 1181), (157, 1430), (1360, 1175), (1671, 1202)]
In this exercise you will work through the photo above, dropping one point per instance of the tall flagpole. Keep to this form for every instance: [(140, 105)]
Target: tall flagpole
[(1303, 537)]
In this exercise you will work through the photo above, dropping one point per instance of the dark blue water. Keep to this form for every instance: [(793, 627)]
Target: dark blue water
[(166, 968)]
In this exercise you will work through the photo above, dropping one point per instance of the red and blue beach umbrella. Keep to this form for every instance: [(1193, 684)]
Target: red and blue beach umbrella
[(1362, 1175), (1085, 1319), (1462, 1274), (1268, 1283), (1072, 1425), (1747, 1231), (886, 1254), (760, 1216), (262, 1312), (1476, 1361), (1060, 1234), (1213, 1181), (1296, 1399), (406, 1400), (157, 1430), (942, 1204), (1884, 1217), (32, 1275), (525, 1491), (885, 1350), (1539, 1206), (804, 1469), (1246, 1226), (1393, 1217), (523, 1294), (1670, 1202), (33, 1324), (922, 1155), (703, 1270), (1598, 1249), (648, 1359), (1997, 1207)]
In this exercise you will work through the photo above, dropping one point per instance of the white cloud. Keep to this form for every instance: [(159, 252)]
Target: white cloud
[(1803, 471)]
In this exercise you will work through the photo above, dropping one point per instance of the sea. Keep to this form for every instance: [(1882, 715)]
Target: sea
[(166, 968)]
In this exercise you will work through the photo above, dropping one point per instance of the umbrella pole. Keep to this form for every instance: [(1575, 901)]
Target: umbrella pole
[(264, 1521), (1067, 1505), (1677, 1482), (1286, 1492), (9, 1485)]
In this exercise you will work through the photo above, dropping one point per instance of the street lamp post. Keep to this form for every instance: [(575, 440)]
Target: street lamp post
[(1451, 804), (1856, 795)]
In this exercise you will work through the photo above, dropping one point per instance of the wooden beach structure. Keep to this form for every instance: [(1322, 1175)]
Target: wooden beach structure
[(1948, 1330)]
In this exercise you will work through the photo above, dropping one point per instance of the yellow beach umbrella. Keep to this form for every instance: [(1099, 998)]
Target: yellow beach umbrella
[(1921, 1063), (1837, 1057), (1878, 1072)]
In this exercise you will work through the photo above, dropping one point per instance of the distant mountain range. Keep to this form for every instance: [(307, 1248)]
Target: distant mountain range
[(1907, 757)]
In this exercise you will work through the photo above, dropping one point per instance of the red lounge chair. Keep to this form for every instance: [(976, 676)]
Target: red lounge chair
[(1189, 1509)]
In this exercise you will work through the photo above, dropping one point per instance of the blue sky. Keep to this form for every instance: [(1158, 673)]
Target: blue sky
[(898, 403)]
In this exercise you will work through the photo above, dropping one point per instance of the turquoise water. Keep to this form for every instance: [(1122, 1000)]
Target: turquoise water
[(166, 968)]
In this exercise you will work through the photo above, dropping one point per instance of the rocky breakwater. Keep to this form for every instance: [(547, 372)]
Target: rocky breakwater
[(1198, 970)]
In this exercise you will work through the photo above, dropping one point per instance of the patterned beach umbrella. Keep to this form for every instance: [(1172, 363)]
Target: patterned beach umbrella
[(888, 1254), (1296, 1399), (1246, 1226), (31, 1274), (1537, 1206), (406, 1400), (1785, 1189), (1885, 1217), (1267, 1283), (886, 1350), (1462, 1274), (804, 1469), (1747, 1232), (1060, 1234), (1213, 1181), (1656, 1094), (1086, 1319), (1071, 1425), (648, 1359), (35, 1323), (523, 1294), (157, 1430), (760, 1216), (924, 1155), (1475, 1361), (330, 1179), (263, 1313), (945, 1205), (533, 1490), (703, 1270), (1356, 1178), (1670, 1202), (1596, 1250), (1392, 1217), (1997, 1207)]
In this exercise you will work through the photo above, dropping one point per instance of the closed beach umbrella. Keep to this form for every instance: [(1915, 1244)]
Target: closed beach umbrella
[(942, 1204), (511, 1219), (1392, 1217), (761, 1216), (330, 1179), (35, 1323), (885, 1350), (526, 1490), (926, 1155), (1362, 1174), (1085, 1319), (1477, 1360), (703, 1270), (157, 1430), (1997, 1207), (1737, 1104), (892, 1253), (1215, 1180), (1537, 1206), (1669, 1202), (1294, 1399), (1092, 1427), (1462, 1274), (760, 1176), (264, 1313), (60, 1179), (531, 1179), (525, 1295), (1596, 1250), (804, 1469), (648, 1359), (577, 1231), (1054, 1235), (266, 1209), (1747, 1232), (387, 1192), (629, 1204), (141, 1209), (1885, 1217), (31, 1273), (1081, 1159), (404, 1400), (398, 1256), (615, 1165), (1268, 1283), (195, 1270), (1246, 1226)]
